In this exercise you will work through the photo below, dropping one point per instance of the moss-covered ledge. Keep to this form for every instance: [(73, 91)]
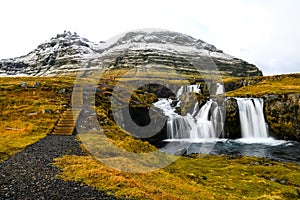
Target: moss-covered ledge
[(282, 114), (282, 104)]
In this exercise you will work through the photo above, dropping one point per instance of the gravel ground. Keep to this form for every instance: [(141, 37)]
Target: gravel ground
[(31, 175)]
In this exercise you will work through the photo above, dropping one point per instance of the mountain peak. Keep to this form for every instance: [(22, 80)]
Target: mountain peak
[(158, 36), (65, 53)]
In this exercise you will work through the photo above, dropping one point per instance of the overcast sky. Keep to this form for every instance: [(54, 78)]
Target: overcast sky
[(263, 32)]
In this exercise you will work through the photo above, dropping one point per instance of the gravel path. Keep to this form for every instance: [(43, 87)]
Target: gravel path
[(31, 175)]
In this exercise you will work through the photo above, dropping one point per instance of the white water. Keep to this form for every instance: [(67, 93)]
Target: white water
[(206, 122), (188, 88), (266, 141), (198, 125), (252, 119), (220, 89)]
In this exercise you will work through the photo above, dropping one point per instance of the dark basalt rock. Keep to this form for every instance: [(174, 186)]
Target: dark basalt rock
[(282, 113), (232, 126)]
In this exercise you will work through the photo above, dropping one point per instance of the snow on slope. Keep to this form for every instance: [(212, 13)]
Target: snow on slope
[(66, 52)]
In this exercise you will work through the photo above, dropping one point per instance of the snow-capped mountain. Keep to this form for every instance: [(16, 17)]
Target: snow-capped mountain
[(67, 53)]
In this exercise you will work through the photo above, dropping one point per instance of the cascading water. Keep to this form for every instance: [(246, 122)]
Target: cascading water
[(220, 89), (252, 119), (188, 88), (206, 122), (199, 124), (202, 125)]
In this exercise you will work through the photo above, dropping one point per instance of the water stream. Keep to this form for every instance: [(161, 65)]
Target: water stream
[(204, 124), (252, 119)]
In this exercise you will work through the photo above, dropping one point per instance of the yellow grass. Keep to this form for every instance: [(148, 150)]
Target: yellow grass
[(283, 84), (22, 120), (211, 177)]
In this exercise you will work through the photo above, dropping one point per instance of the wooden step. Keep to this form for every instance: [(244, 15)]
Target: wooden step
[(63, 128), (65, 121), (70, 113), (65, 125), (69, 117), (63, 133)]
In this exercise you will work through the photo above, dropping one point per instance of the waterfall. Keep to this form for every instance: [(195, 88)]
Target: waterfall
[(200, 124), (252, 119), (197, 89), (220, 89), (207, 121), (188, 88)]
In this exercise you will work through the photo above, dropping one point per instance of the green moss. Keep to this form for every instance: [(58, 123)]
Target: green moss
[(278, 85), (211, 177)]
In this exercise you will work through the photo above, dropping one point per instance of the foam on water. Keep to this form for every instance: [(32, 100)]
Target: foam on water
[(266, 141)]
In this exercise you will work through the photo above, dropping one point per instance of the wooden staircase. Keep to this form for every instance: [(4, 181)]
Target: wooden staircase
[(67, 122)]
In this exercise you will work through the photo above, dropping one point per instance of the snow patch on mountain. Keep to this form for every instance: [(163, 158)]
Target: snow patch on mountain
[(67, 52)]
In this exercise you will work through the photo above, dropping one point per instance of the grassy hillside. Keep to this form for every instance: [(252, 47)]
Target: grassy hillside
[(21, 111), (258, 86), (211, 177)]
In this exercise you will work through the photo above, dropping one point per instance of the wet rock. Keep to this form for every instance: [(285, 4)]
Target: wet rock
[(232, 127), (178, 110), (174, 103)]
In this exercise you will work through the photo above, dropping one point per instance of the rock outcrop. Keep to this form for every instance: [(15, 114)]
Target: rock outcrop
[(232, 126), (282, 114), (67, 53)]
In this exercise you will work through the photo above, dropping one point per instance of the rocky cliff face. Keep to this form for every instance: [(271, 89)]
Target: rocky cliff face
[(67, 53), (283, 115)]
